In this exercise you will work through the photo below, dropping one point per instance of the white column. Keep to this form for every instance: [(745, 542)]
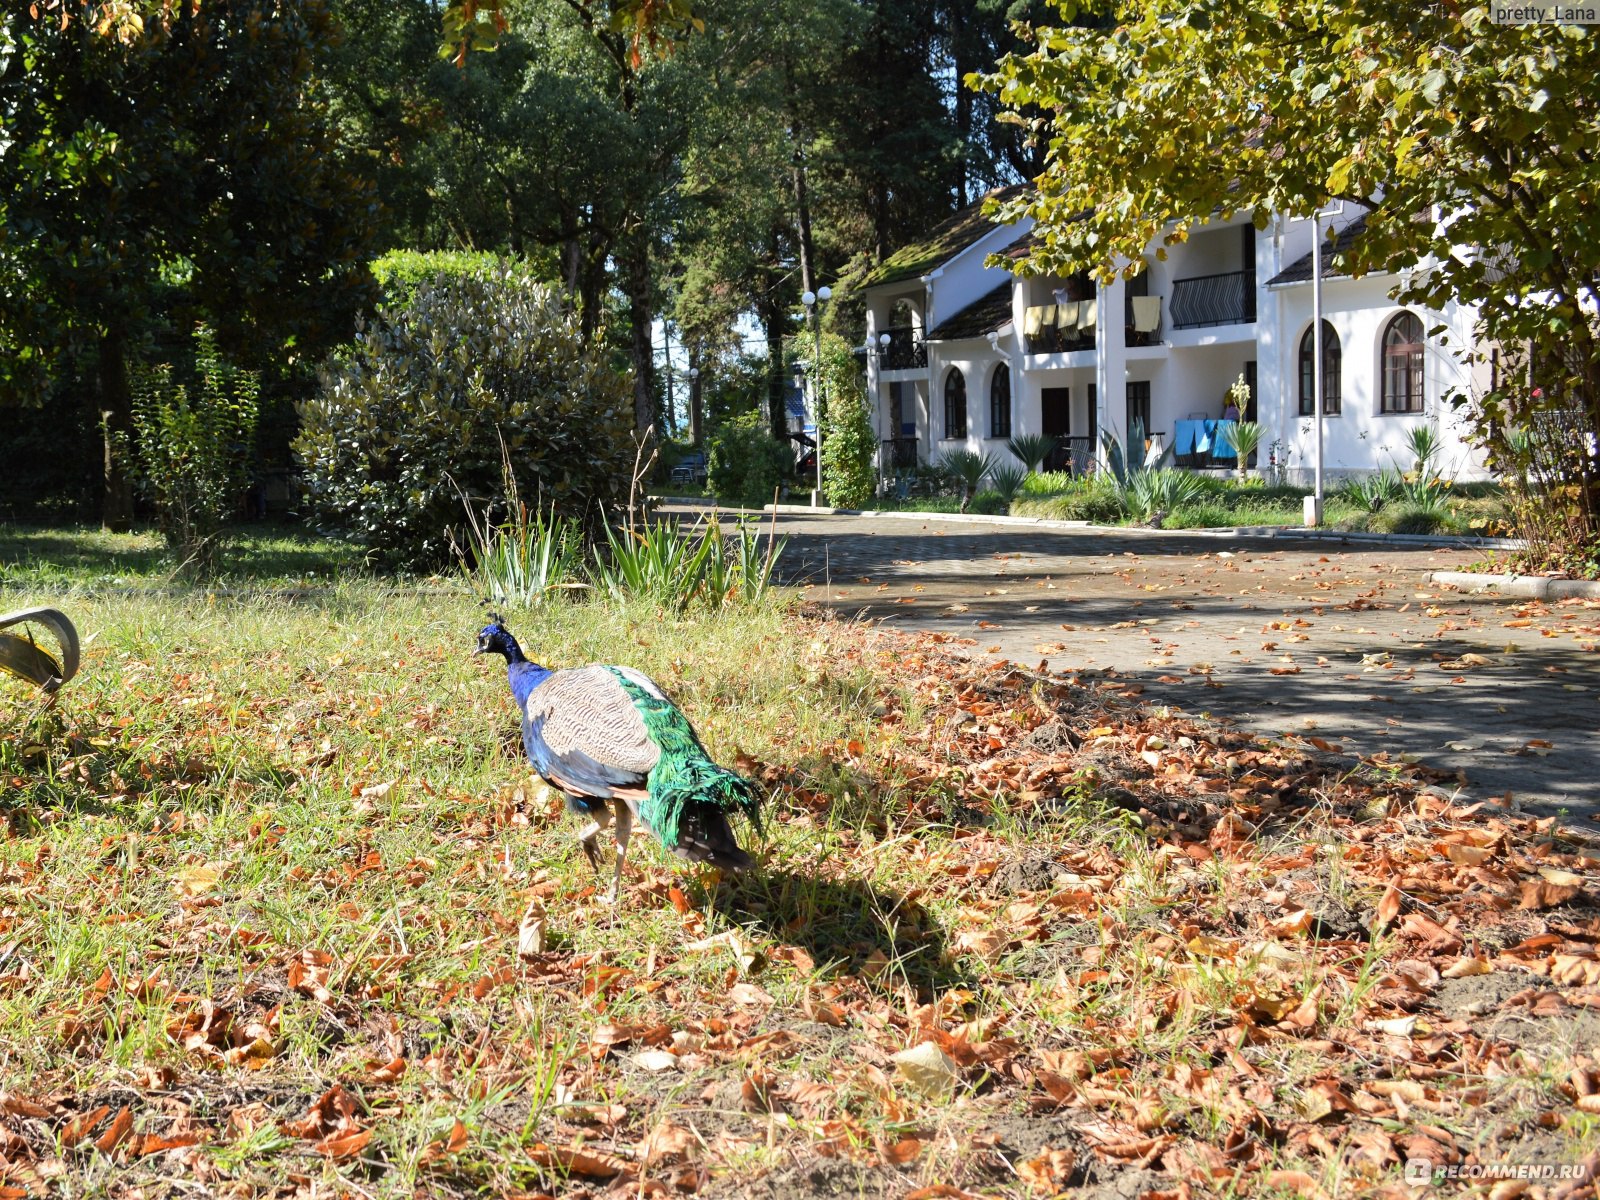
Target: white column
[(1111, 364)]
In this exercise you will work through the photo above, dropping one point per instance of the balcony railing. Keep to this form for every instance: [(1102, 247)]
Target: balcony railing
[(900, 454), (1055, 340), (1228, 299), (906, 350)]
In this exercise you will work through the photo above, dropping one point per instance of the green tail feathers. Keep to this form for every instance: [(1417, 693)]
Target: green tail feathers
[(685, 773)]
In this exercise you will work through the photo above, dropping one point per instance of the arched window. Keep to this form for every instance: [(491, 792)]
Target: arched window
[(955, 404), (1402, 365), (1331, 361), (1000, 402)]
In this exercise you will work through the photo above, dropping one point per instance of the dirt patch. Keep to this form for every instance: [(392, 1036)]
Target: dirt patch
[(1479, 995), (812, 1177)]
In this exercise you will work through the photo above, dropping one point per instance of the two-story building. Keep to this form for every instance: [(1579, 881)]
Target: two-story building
[(963, 354)]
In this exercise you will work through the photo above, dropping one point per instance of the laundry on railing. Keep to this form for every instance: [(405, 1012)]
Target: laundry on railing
[(1067, 315), (1037, 317), (1088, 314), (1146, 313)]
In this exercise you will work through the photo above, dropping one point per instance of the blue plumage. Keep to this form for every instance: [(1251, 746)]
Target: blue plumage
[(613, 743)]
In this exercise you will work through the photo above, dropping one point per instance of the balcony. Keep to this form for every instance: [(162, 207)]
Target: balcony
[(906, 350), (1142, 321), (1055, 340), (1205, 300)]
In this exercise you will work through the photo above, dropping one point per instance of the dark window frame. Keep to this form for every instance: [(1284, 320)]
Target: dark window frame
[(955, 405), (1402, 382), (1000, 402), (1332, 371)]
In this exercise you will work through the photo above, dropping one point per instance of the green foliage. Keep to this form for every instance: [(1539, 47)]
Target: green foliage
[(1414, 515), (659, 563), (990, 504), (526, 559), (849, 446), (1096, 498), (969, 467), (1372, 492), (171, 156), (194, 448), (1242, 438), (402, 273), (1161, 490), (746, 465), (1007, 481), (477, 369), (1031, 449)]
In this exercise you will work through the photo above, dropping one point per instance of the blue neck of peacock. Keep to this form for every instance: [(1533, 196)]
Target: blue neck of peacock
[(524, 677)]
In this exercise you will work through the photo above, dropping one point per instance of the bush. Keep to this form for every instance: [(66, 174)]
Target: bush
[(414, 419), (747, 465), (1095, 498), (1408, 516), (402, 273), (989, 504), (194, 449)]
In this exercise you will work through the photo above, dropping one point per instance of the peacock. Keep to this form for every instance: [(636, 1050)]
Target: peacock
[(619, 750)]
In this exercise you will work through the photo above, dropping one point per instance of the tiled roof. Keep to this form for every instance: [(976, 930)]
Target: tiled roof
[(1299, 271), (944, 242), (977, 319)]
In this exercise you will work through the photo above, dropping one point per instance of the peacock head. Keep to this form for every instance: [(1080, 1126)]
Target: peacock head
[(495, 638)]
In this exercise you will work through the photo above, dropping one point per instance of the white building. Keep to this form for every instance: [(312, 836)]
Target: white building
[(975, 354)]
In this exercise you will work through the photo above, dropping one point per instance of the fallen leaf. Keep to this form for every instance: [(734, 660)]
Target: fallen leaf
[(927, 1069)]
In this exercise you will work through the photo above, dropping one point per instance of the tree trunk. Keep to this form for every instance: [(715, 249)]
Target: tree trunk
[(641, 346), (770, 313), (116, 423)]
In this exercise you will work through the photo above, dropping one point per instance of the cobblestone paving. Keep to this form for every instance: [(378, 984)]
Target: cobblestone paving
[(1341, 641)]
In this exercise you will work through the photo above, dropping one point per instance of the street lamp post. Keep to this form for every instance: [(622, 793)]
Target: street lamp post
[(694, 406), (813, 301), (1313, 503)]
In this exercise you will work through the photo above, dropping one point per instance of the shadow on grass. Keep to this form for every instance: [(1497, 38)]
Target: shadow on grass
[(846, 925), (253, 552)]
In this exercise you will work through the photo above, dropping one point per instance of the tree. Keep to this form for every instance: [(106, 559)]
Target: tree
[(1456, 132), (178, 155)]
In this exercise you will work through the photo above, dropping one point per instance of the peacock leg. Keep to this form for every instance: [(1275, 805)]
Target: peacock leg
[(589, 833), (624, 832)]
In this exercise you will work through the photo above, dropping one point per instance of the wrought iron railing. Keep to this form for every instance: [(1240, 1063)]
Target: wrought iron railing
[(900, 454), (906, 350), (1228, 299)]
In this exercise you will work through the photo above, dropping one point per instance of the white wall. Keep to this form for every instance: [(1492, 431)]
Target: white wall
[(1362, 439)]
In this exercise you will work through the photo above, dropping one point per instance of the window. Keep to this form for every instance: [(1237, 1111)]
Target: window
[(1000, 402), (1139, 405), (1332, 357), (955, 404), (1402, 365)]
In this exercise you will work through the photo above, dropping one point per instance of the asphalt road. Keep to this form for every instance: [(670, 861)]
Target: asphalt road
[(1342, 641)]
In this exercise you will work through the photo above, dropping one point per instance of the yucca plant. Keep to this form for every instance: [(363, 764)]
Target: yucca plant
[(1242, 438), (969, 467), (527, 559), (755, 564), (1372, 492), (1007, 481), (653, 561), (1031, 449)]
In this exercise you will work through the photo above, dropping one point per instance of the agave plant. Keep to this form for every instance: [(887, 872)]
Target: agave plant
[(1372, 492), (1161, 490), (21, 655), (969, 467), (1031, 449)]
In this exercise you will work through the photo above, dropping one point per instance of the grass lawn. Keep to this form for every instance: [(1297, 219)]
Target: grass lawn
[(282, 912)]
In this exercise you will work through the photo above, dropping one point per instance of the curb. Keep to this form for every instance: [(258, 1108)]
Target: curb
[(1291, 532), (1533, 587)]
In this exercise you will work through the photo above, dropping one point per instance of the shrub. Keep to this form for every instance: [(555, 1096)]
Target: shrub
[(969, 467), (1162, 490), (1206, 514), (194, 447), (1409, 516), (415, 417), (1031, 449), (402, 273), (1008, 481), (1096, 499), (747, 465), (989, 504)]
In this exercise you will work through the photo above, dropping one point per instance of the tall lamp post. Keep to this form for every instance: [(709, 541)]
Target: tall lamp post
[(813, 301), (694, 406), (1313, 502)]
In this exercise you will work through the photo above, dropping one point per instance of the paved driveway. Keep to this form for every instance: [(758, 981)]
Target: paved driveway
[(1346, 642)]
